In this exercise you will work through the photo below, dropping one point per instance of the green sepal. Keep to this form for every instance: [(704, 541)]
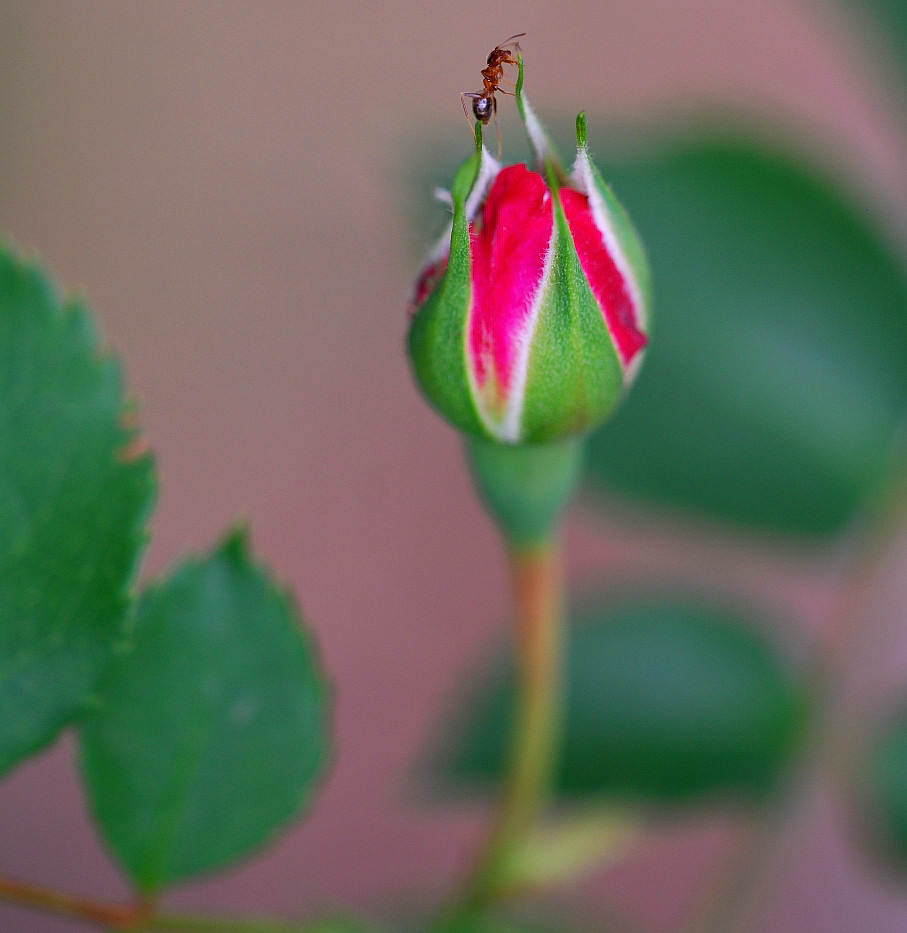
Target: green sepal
[(525, 487), (467, 174), (574, 378), (619, 221), (518, 88), (581, 130), (437, 337)]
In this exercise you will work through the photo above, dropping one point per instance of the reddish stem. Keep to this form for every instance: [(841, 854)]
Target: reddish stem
[(122, 917), (536, 579)]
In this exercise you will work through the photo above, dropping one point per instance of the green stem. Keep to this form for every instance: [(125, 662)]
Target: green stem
[(536, 577)]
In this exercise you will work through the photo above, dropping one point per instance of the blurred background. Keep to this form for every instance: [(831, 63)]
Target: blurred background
[(234, 186)]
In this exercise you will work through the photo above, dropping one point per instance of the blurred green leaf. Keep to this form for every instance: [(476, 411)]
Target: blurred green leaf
[(664, 702), (499, 922), (890, 18), (212, 729), (883, 791), (339, 925), (72, 508), (777, 374), (561, 851)]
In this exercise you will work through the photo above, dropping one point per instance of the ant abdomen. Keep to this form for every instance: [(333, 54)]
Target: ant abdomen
[(483, 107)]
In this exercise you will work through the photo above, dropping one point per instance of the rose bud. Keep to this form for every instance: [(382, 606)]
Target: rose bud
[(530, 317)]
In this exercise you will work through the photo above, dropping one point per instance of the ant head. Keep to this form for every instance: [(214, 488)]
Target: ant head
[(483, 107)]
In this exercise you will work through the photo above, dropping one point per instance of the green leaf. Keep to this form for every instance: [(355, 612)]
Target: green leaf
[(776, 378), (73, 506), (211, 729), (664, 702)]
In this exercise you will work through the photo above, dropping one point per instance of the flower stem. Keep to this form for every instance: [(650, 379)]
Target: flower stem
[(140, 916), (536, 578)]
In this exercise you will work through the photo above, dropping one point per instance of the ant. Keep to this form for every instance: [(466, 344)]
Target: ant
[(484, 103)]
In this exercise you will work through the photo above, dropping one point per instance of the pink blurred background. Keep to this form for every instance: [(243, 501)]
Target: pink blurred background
[(226, 183)]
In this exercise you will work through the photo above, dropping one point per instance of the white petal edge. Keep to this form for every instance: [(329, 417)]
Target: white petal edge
[(584, 180), (511, 424), (488, 171), (538, 138)]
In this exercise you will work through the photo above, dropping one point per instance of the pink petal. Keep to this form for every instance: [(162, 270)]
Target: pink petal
[(508, 253), (604, 277)]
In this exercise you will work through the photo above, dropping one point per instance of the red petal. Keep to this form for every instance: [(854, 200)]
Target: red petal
[(508, 257), (427, 282), (604, 277)]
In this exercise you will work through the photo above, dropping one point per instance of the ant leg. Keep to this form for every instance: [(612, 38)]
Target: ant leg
[(463, 96)]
